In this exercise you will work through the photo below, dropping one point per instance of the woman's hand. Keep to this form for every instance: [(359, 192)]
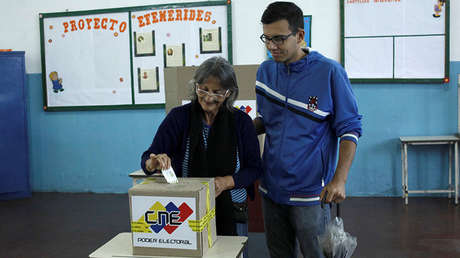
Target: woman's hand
[(157, 162), (223, 183)]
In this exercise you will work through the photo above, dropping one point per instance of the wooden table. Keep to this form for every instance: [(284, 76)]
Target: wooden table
[(121, 247), (451, 141)]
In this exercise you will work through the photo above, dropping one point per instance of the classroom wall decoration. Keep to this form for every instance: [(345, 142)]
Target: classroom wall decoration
[(210, 40), (115, 58), (144, 43), (396, 40)]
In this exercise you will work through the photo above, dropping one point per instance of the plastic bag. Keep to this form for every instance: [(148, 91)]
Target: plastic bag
[(335, 242)]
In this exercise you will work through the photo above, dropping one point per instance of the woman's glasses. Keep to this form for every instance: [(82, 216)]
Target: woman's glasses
[(204, 93)]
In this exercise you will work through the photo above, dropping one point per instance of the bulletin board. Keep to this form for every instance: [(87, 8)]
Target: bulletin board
[(396, 40), (115, 58)]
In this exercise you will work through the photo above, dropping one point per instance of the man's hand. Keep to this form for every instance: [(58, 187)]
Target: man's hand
[(259, 125), (335, 191), (336, 188), (157, 161), (223, 183)]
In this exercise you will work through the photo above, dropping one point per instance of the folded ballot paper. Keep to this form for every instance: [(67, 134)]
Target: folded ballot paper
[(170, 175)]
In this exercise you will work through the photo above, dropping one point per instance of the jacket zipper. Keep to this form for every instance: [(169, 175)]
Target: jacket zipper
[(285, 110)]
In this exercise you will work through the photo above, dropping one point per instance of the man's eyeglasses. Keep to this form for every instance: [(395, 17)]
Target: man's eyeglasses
[(277, 40), (204, 93)]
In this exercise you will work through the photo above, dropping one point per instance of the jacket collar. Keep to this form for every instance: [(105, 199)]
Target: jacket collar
[(297, 65)]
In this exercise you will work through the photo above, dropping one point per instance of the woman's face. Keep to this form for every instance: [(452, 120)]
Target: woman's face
[(211, 95)]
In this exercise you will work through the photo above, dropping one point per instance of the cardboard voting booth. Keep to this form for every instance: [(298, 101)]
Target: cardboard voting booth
[(173, 219)]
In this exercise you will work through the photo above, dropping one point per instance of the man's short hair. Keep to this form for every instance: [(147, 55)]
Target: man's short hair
[(284, 11)]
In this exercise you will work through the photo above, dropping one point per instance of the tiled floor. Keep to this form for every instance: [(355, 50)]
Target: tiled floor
[(74, 225)]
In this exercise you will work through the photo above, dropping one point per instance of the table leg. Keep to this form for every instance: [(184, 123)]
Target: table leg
[(406, 172), (456, 172), (402, 171), (450, 168)]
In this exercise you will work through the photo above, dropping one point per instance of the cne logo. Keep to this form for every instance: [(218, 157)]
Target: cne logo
[(245, 109), (168, 217)]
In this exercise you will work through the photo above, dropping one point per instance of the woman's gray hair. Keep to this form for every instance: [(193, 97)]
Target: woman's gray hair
[(222, 70)]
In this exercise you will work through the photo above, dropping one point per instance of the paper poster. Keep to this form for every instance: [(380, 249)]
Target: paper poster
[(144, 43), (148, 80), (77, 71), (174, 55), (210, 40)]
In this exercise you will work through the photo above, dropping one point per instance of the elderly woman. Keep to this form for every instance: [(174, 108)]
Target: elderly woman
[(210, 138)]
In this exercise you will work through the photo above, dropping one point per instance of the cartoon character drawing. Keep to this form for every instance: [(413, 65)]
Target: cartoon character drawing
[(57, 82), (438, 8)]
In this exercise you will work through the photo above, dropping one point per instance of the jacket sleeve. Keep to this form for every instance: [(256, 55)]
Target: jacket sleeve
[(346, 120), (250, 162), (168, 139)]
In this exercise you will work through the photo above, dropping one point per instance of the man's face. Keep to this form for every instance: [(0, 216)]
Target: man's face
[(285, 51)]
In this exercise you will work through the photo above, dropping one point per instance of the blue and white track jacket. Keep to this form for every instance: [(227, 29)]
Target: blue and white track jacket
[(306, 106)]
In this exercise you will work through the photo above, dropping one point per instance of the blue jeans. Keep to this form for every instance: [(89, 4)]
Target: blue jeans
[(242, 230), (284, 223)]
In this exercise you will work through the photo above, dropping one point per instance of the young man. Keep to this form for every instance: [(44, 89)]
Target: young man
[(305, 105)]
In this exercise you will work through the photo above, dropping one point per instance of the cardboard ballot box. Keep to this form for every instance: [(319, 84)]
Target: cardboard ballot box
[(173, 219)]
